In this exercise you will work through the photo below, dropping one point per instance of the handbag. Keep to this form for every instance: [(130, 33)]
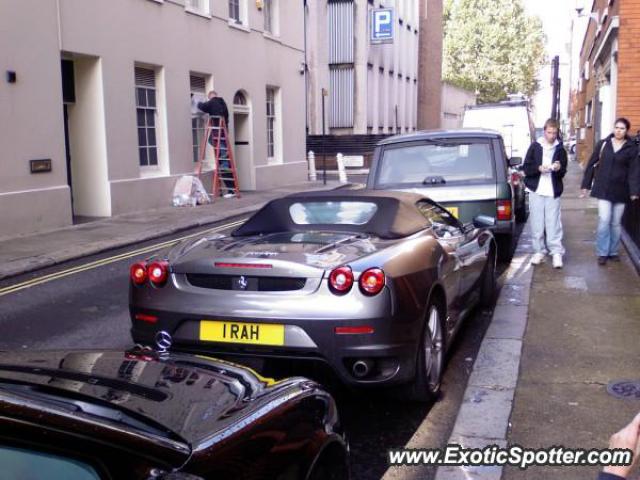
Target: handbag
[(597, 164)]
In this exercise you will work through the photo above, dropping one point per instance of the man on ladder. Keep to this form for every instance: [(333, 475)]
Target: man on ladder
[(217, 109)]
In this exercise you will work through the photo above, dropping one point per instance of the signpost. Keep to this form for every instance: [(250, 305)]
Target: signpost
[(381, 25)]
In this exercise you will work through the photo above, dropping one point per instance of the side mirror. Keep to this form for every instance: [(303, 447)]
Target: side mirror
[(515, 161), (484, 221)]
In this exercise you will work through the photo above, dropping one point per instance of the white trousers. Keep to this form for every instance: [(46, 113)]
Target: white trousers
[(544, 213)]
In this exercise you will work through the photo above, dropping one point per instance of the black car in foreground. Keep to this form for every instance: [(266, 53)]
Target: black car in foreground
[(86, 415)]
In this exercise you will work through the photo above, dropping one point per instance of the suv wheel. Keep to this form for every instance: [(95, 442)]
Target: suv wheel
[(506, 244)]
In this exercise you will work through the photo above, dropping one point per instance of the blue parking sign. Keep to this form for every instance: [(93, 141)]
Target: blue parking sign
[(382, 25)]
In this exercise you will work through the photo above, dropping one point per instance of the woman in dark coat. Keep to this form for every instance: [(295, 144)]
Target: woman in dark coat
[(613, 176)]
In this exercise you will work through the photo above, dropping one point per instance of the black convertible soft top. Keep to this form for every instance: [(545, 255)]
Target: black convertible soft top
[(396, 215)]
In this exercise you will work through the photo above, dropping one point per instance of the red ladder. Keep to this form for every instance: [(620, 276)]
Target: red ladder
[(225, 175)]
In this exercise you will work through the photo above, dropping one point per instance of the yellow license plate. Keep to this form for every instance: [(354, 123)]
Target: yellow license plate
[(453, 211), (240, 332)]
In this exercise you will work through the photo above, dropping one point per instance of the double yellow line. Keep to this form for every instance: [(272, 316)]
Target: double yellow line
[(106, 261)]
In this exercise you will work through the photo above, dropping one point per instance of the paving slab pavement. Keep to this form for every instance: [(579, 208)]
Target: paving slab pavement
[(556, 340), (582, 333)]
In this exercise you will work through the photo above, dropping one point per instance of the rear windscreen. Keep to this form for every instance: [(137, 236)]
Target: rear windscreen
[(436, 164), (332, 213)]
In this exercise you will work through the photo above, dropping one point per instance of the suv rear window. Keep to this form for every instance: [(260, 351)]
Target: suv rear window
[(436, 163)]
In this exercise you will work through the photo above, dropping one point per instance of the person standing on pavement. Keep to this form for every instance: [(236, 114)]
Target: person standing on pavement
[(545, 165), (613, 176)]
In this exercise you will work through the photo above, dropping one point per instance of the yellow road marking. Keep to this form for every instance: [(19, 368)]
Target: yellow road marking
[(106, 261)]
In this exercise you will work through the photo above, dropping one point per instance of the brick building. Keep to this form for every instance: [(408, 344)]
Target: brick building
[(609, 88), (609, 84)]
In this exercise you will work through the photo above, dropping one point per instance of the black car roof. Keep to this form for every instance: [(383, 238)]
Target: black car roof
[(438, 134), (396, 216)]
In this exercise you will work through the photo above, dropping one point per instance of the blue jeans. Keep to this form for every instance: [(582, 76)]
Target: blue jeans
[(609, 228), (544, 213), (224, 161)]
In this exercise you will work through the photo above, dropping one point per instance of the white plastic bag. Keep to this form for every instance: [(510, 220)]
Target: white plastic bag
[(189, 192)]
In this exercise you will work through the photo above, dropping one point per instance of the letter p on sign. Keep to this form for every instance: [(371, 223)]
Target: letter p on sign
[(382, 25)]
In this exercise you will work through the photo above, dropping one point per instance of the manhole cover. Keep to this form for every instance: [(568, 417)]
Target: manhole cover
[(625, 389)]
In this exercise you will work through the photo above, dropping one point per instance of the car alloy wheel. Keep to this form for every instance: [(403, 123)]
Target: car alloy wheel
[(433, 349)]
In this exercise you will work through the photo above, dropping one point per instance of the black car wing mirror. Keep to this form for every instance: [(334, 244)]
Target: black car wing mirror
[(484, 221), (515, 161)]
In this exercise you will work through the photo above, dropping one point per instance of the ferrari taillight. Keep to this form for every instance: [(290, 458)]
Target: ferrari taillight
[(158, 273), (138, 273), (504, 210), (371, 281), (341, 280)]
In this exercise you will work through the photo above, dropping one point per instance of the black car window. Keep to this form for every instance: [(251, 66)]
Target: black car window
[(437, 163), (23, 463), (441, 220)]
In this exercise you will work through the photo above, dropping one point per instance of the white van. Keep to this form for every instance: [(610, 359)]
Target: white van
[(511, 118)]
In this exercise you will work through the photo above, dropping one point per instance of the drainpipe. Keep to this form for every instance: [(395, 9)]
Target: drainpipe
[(306, 70), (59, 25)]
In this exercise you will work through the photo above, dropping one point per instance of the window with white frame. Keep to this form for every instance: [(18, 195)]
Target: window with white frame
[(198, 86), (234, 11), (274, 124), (271, 122), (270, 10), (198, 6), (146, 114)]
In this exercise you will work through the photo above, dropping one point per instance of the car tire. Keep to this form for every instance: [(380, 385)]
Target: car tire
[(522, 210), (505, 243), (332, 464), (488, 281), (430, 359)]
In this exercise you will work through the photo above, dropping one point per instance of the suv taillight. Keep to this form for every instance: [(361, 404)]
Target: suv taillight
[(341, 280), (504, 210), (371, 281)]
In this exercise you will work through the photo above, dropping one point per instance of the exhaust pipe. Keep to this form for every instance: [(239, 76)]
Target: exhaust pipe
[(362, 368)]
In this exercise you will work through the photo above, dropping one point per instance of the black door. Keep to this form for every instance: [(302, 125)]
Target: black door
[(68, 97)]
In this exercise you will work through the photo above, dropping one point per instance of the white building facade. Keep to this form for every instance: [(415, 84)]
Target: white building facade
[(372, 88), (101, 91)]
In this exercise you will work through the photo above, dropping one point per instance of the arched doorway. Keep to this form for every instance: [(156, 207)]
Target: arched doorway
[(243, 140)]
